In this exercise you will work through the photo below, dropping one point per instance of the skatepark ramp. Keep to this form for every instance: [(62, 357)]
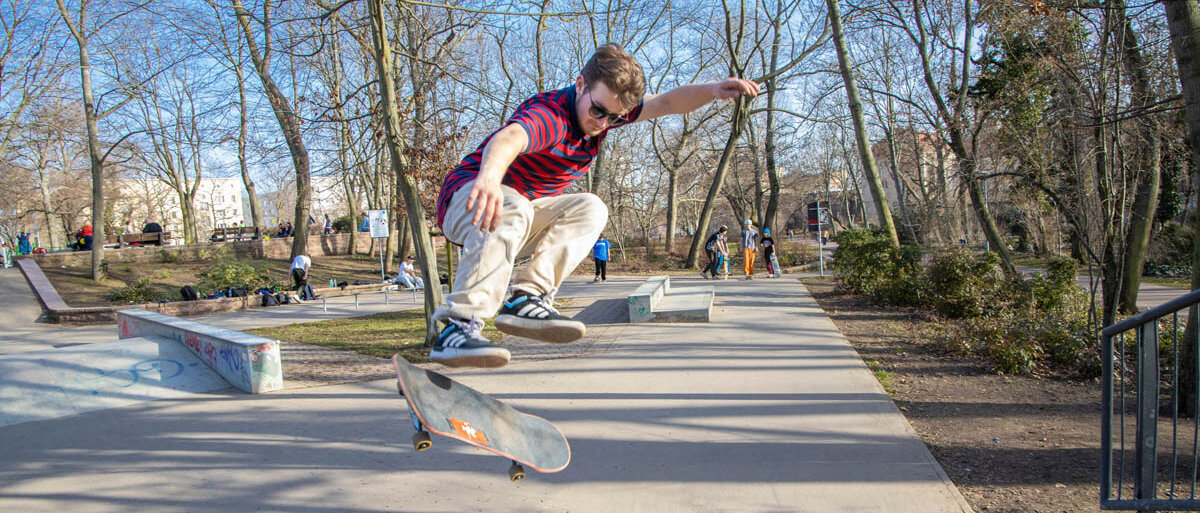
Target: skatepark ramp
[(157, 357), (654, 301)]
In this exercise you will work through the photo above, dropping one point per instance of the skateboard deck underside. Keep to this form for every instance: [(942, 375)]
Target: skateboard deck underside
[(449, 408)]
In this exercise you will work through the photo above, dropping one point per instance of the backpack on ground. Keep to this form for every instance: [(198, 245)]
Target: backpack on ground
[(270, 300), (306, 293), (188, 293), (282, 299)]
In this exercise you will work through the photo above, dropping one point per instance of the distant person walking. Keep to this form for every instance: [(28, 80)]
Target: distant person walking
[(749, 243), (600, 255), (328, 225), (300, 266), (713, 248), (768, 245)]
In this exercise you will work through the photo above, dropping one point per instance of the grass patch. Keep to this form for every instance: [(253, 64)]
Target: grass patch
[(1183, 283), (886, 379), (379, 335)]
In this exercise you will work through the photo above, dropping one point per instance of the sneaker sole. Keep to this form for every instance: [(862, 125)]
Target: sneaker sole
[(559, 332), (483, 361)]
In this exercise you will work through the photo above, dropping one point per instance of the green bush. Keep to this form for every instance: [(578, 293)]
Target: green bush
[(228, 273), (344, 224), (1170, 247), (964, 284), (1057, 289), (866, 263), (140, 291)]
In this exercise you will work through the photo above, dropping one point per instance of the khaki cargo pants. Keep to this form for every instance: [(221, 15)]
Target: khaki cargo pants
[(557, 233)]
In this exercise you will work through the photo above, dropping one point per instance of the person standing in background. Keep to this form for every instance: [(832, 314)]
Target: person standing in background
[(749, 243), (768, 245), (600, 255)]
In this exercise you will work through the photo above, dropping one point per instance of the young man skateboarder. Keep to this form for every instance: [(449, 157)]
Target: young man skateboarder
[(505, 200)]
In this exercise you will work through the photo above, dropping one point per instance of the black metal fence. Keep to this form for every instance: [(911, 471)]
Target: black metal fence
[(1149, 458)]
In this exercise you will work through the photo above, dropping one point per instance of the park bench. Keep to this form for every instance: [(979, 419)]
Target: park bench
[(236, 233), (152, 238), (654, 301)]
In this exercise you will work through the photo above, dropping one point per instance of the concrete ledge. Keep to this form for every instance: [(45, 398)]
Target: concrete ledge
[(693, 304), (654, 301), (643, 299), (248, 362), (56, 311)]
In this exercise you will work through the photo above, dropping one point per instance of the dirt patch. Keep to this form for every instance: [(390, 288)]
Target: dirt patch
[(1009, 443)]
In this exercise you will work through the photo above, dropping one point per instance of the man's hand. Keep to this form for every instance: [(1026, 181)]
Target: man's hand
[(733, 87), (487, 201)]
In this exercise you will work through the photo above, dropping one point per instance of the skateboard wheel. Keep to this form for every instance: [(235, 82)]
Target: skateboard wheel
[(516, 472), (421, 440)]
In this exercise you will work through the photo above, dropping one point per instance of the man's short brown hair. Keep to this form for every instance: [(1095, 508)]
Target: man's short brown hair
[(619, 71)]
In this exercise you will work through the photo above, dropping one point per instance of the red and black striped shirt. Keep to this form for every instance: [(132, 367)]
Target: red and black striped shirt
[(559, 151)]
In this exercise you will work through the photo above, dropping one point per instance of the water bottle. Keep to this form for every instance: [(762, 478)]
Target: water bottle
[(332, 283)]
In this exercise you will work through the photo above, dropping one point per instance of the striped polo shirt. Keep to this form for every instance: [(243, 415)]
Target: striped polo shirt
[(559, 151)]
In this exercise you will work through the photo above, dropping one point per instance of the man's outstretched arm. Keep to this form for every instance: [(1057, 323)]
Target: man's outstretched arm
[(684, 99), (486, 199)]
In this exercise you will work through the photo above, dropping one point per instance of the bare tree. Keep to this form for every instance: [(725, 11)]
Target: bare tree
[(285, 114), (83, 29)]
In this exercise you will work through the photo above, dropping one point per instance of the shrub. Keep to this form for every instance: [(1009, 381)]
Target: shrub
[(228, 273), (867, 264), (1171, 247), (1057, 288), (962, 284), (344, 224), (140, 291)]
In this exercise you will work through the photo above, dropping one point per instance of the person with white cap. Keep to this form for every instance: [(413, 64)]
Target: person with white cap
[(749, 243)]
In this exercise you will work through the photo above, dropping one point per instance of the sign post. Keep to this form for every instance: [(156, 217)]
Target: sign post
[(377, 221)]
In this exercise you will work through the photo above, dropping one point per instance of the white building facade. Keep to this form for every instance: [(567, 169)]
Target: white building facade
[(219, 202)]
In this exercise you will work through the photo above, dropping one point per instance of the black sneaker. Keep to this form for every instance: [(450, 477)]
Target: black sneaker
[(529, 316), (462, 344)]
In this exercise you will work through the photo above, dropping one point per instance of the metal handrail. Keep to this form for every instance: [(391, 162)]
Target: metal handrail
[(1155, 313), (1146, 386)]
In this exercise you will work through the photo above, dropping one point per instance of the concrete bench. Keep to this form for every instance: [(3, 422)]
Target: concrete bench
[(248, 362), (654, 301)]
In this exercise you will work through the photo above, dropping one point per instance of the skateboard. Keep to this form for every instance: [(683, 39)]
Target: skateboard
[(724, 267), (775, 266), (445, 407)]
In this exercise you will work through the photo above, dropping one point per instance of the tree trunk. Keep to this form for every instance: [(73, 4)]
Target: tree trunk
[(1183, 23), (737, 124), (289, 123), (860, 126), (1150, 155), (256, 215), (408, 188)]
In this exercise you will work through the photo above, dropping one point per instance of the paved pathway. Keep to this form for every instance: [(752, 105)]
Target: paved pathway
[(1150, 295), (765, 409)]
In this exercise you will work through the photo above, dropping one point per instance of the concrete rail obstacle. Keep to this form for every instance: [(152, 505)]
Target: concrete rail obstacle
[(248, 362), (654, 301)]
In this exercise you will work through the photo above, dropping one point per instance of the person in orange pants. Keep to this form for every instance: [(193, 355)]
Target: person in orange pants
[(749, 244)]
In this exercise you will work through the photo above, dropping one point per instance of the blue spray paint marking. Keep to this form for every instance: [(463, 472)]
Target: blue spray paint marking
[(125, 378)]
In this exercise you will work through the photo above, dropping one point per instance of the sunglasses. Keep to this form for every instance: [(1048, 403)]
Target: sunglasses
[(599, 112)]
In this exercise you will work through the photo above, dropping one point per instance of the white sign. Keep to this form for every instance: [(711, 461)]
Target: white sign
[(378, 222)]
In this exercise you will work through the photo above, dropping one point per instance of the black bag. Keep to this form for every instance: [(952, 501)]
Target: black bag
[(188, 293), (282, 298), (306, 293), (270, 300), (236, 292)]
